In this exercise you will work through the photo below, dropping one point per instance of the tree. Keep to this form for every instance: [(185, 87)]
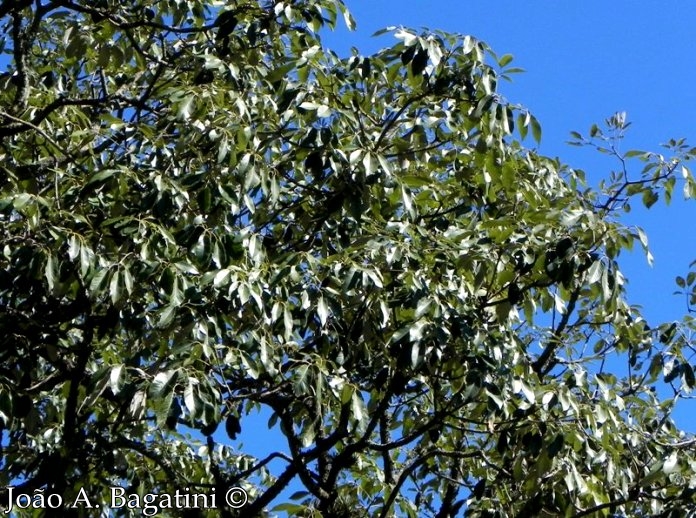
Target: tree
[(205, 212)]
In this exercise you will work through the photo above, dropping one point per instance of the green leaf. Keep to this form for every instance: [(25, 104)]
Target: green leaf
[(536, 129), (290, 509), (101, 175), (505, 60), (523, 120), (322, 311), (415, 181), (73, 247), (688, 374), (21, 200), (166, 316), (633, 153), (649, 198), (370, 163), (349, 20), (358, 408), (128, 280), (86, 260), (98, 281), (51, 272), (192, 398), (116, 378), (114, 287), (186, 107), (163, 383), (307, 436), (280, 72), (301, 383), (595, 272)]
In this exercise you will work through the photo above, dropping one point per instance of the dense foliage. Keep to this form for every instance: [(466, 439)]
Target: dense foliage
[(204, 213)]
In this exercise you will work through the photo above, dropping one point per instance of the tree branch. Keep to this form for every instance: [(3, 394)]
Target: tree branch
[(542, 366), (394, 493)]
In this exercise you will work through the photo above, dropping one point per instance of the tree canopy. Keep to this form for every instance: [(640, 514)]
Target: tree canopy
[(205, 212)]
